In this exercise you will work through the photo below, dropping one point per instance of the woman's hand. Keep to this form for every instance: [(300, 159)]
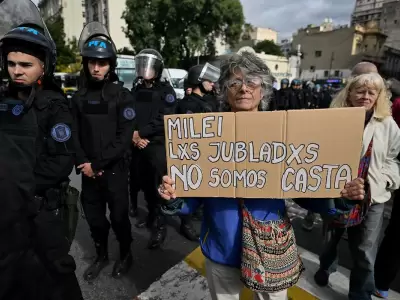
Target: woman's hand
[(166, 191), (354, 190)]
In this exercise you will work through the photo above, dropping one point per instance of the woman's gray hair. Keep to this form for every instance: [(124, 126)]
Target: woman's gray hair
[(249, 64)]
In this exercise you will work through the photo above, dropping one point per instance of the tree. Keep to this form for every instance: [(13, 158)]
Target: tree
[(126, 51), (182, 29), (268, 47), (247, 30), (66, 53)]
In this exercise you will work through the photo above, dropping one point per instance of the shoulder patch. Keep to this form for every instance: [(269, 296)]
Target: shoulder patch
[(61, 132), (170, 98), (17, 110), (129, 113)]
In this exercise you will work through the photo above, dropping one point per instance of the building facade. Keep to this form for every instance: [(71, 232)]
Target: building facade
[(390, 23), (260, 34), (334, 53), (286, 46), (367, 10), (110, 14), (257, 35), (73, 13), (391, 66)]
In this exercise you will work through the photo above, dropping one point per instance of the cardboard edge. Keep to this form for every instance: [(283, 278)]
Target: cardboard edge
[(284, 139)]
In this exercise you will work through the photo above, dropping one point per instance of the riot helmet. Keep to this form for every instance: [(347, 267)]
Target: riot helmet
[(23, 30), (149, 65), (95, 43), (200, 74), (284, 83), (310, 85), (296, 83)]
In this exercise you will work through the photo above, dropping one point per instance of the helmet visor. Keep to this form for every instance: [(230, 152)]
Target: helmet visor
[(210, 73), (148, 66)]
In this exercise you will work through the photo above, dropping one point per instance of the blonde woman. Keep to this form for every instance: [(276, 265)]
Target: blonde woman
[(381, 145)]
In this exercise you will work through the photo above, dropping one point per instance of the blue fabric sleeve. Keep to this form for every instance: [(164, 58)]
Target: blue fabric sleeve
[(181, 206)]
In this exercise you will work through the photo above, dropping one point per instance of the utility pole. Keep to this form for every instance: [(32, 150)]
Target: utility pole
[(330, 67), (298, 60)]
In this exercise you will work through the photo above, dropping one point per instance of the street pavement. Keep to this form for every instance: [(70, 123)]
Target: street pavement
[(150, 265)]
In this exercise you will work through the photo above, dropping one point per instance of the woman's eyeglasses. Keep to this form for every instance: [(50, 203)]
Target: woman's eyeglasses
[(250, 82)]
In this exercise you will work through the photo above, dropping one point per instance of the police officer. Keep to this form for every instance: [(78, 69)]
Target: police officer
[(297, 99), (318, 96), (104, 116), (200, 80), (326, 98), (186, 87), (153, 99), (282, 96), (21, 271), (22, 275), (308, 92), (41, 115)]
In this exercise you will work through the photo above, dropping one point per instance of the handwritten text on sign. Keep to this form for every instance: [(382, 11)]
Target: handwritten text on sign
[(231, 154)]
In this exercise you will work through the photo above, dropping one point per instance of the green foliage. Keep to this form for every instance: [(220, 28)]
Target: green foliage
[(268, 47), (66, 51), (126, 51), (247, 30), (181, 29)]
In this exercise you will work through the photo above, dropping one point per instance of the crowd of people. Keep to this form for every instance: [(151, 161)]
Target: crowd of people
[(299, 95), (115, 137)]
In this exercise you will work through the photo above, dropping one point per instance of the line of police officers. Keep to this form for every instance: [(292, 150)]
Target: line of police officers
[(296, 97), (106, 131)]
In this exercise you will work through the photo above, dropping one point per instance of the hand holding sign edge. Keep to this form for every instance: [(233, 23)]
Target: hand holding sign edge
[(354, 190), (166, 188)]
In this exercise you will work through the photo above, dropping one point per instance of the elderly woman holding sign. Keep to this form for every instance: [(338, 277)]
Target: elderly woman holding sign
[(233, 230), (381, 169)]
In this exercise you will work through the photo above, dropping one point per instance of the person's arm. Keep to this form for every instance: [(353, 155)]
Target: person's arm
[(181, 206), (56, 163), (122, 142), (80, 155), (391, 165), (156, 126)]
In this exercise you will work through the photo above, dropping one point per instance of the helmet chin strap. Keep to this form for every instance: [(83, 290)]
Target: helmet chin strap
[(26, 88)]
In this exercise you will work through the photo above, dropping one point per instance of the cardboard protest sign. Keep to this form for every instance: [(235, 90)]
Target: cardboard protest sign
[(284, 154)]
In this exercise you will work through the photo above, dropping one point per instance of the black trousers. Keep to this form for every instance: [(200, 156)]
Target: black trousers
[(134, 174), (52, 248), (22, 276), (109, 189), (387, 262), (152, 164)]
